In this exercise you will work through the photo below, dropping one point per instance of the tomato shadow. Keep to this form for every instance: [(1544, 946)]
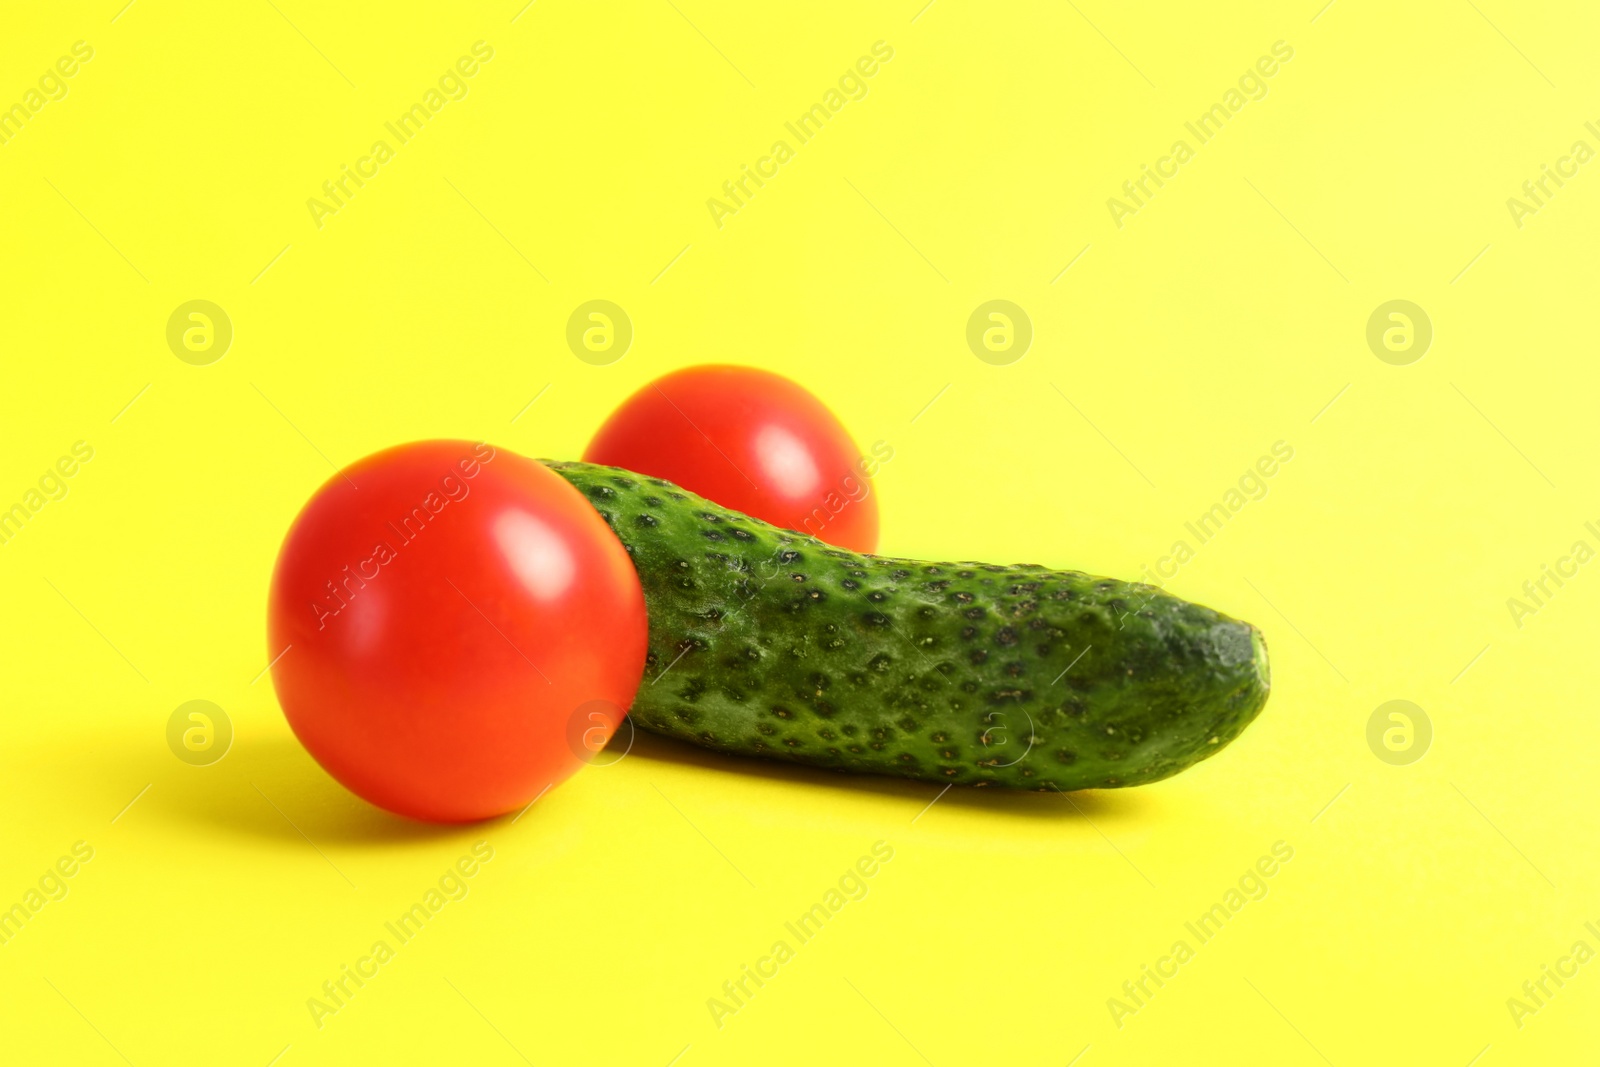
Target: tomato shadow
[(269, 787), (1051, 806)]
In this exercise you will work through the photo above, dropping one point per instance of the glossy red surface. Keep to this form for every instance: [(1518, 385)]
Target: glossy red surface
[(462, 629), (749, 440)]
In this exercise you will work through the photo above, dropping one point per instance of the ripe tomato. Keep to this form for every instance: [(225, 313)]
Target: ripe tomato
[(752, 441), (458, 629)]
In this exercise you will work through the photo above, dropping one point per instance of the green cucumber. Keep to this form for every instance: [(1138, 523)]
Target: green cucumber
[(766, 642)]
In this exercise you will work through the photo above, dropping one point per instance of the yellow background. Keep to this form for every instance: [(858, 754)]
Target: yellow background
[(1223, 317)]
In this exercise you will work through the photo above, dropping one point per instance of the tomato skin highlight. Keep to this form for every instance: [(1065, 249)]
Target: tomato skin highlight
[(749, 440), (454, 615)]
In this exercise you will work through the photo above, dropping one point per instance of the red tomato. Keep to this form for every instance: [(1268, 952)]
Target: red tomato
[(459, 629), (751, 441)]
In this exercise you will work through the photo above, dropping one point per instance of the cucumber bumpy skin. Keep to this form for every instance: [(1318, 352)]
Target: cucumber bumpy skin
[(767, 642)]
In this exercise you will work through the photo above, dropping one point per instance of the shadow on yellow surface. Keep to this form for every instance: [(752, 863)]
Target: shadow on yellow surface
[(270, 787), (1048, 806)]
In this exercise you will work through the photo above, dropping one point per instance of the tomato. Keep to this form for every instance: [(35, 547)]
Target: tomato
[(752, 441), (456, 629)]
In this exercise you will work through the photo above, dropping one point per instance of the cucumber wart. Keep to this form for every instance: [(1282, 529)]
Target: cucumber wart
[(766, 642)]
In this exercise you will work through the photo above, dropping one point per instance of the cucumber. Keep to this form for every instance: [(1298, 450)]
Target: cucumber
[(766, 642)]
